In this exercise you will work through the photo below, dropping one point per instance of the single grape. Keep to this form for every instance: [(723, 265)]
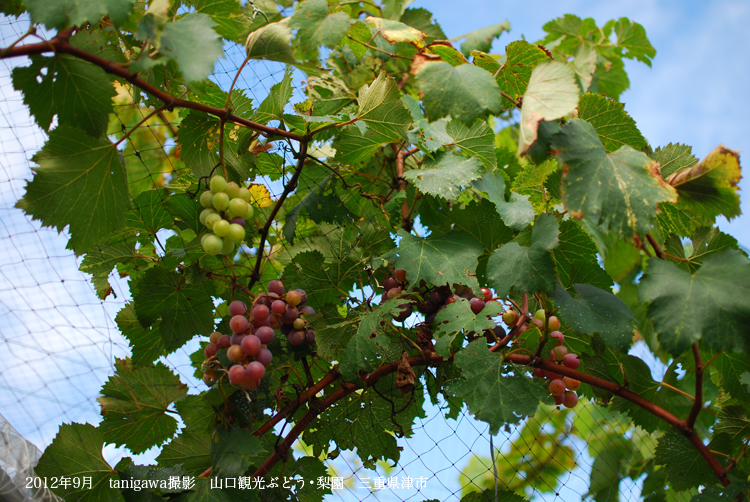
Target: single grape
[(250, 212), (221, 201), (404, 315), (221, 228), (264, 357), (212, 219), (218, 184), (557, 387), (553, 323), (265, 322), (537, 322), (214, 337), (237, 207), (232, 189), (290, 314), (425, 307), (560, 352), (210, 350), (559, 399), (236, 374), (389, 283), (249, 384), (227, 248), (213, 244), (538, 373), (393, 292), (250, 345), (571, 399), (236, 233), (400, 275), (308, 310), (207, 199), (274, 321), (304, 296), (244, 194), (235, 354), (487, 294), (539, 314), (255, 370), (309, 336), (236, 338), (560, 337), (260, 313), (239, 324), (571, 361), (452, 299), (224, 342), (477, 305), (510, 317), (571, 383), (296, 337), (276, 286), (299, 323), (278, 306), (265, 334), (237, 308), (294, 297), (436, 298), (238, 220), (205, 214), (468, 294)]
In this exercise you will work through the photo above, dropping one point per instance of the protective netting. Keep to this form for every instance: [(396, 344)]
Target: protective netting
[(60, 341)]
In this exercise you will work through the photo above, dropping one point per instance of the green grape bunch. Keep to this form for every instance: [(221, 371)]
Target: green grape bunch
[(227, 210)]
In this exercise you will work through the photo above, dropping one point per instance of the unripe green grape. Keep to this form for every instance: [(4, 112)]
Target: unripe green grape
[(539, 314), (207, 199), (249, 213), (213, 244), (244, 194), (232, 190), (218, 184), (221, 201), (205, 213), (221, 228), (203, 238), (236, 232), (212, 219), (228, 247), (237, 207)]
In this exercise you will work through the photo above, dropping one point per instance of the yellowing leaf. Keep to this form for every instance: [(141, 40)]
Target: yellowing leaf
[(260, 196), (395, 32)]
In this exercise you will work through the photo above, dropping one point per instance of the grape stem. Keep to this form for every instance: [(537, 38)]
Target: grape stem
[(698, 403)]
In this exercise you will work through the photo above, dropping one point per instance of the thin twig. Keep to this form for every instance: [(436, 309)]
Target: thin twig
[(657, 249), (231, 87), (675, 389), (698, 404), (370, 46)]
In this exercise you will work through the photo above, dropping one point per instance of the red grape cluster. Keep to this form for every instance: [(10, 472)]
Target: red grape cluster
[(253, 330), (227, 206), (562, 388)]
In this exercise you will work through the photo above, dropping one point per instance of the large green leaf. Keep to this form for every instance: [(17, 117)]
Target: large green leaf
[(193, 43), (68, 13), (712, 304), (271, 42), (191, 449), (528, 269), (514, 75), (632, 37), (685, 467), (146, 344), (235, 450), (75, 91), (735, 421), (231, 22), (603, 187), (552, 93), (80, 181), (517, 212), (612, 123), (457, 319), (381, 108), (481, 39), (674, 157), (272, 107), (465, 92), (317, 26), (134, 402), (596, 311), (491, 394), (185, 308), (576, 258), (449, 259), (76, 452), (446, 176), (475, 141)]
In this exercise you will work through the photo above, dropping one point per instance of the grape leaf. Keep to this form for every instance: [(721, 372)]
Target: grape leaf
[(190, 449), (491, 395), (475, 141), (731, 369), (448, 259), (528, 269), (360, 34), (710, 304), (381, 108), (611, 122), (146, 344), (80, 181), (463, 92), (576, 258), (709, 188), (705, 241), (632, 37), (517, 212), (185, 308), (235, 451), (317, 26), (601, 186), (134, 402), (230, 22), (596, 311), (735, 421), (148, 213), (421, 19), (585, 65), (552, 93), (271, 42), (355, 146), (446, 176), (610, 79), (735, 491), (396, 31), (68, 13), (521, 58), (685, 467), (182, 37), (428, 136), (272, 107), (458, 319), (481, 39), (673, 158), (310, 272), (76, 452)]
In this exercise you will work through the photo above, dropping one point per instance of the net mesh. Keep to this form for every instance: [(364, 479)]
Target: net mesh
[(60, 341)]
